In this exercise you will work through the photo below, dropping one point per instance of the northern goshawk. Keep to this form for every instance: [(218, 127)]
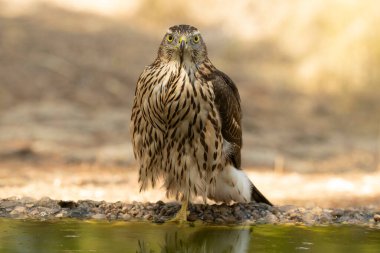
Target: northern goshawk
[(186, 125)]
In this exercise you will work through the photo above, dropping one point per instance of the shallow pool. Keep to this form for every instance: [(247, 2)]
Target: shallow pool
[(94, 236)]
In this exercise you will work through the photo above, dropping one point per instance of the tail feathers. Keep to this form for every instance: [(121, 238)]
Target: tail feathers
[(232, 184), (257, 196)]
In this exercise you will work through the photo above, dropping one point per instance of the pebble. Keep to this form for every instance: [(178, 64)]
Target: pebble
[(98, 216), (192, 217), (59, 215), (8, 204), (219, 220), (207, 217), (147, 217), (159, 212), (271, 218), (19, 209), (126, 217)]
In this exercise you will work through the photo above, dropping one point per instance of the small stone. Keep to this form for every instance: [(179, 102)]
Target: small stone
[(67, 204), (27, 200), (76, 214), (160, 203), (162, 212), (271, 218), (358, 216), (118, 204), (208, 217), (59, 215), (147, 216), (171, 211), (343, 219), (229, 219), (275, 210), (250, 222), (270, 208), (295, 216), (98, 216), (198, 208), (376, 217), (8, 204), (261, 221), (309, 218), (159, 220), (111, 217), (240, 215), (34, 212), (324, 218), (134, 211), (192, 217), (126, 217), (45, 201), (20, 209), (337, 213), (224, 209), (301, 209), (219, 220)]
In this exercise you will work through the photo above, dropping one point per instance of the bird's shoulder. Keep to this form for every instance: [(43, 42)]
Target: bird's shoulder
[(224, 85)]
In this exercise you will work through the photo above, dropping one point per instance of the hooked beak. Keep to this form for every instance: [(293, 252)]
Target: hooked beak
[(182, 44)]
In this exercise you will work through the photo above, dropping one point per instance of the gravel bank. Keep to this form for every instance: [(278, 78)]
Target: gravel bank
[(251, 213)]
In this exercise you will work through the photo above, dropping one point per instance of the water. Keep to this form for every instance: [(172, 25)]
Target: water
[(90, 236)]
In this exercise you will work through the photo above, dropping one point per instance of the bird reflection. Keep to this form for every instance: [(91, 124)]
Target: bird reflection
[(210, 240)]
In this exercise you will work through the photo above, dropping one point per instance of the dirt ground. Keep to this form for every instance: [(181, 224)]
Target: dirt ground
[(67, 81), (112, 183)]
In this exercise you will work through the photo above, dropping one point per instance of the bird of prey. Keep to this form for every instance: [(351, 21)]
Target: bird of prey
[(186, 125)]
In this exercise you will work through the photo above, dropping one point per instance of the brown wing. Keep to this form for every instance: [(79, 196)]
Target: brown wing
[(227, 100)]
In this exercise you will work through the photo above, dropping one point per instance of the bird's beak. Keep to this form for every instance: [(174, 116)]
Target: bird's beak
[(182, 43)]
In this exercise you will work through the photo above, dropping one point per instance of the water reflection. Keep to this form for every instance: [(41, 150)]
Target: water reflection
[(142, 237), (202, 241)]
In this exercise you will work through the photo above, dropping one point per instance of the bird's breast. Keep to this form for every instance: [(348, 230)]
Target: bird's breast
[(177, 99)]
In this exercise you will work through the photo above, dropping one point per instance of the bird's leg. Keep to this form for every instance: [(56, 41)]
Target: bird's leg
[(181, 215)]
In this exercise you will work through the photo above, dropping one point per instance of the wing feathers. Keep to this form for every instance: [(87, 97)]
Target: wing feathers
[(227, 100)]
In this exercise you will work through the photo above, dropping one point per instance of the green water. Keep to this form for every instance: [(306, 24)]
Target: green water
[(89, 236)]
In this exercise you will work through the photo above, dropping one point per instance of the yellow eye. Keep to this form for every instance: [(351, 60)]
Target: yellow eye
[(196, 39), (170, 38)]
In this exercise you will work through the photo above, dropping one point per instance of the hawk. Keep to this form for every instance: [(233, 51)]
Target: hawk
[(186, 125)]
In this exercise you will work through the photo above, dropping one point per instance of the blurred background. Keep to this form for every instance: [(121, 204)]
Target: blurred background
[(307, 72)]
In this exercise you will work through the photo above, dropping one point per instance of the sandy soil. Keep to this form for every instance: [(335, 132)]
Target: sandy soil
[(112, 183)]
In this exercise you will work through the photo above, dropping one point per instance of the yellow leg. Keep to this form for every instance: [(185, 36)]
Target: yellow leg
[(181, 216)]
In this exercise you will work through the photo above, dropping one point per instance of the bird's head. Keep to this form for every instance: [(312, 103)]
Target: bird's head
[(183, 43)]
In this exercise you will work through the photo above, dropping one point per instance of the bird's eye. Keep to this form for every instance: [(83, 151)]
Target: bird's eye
[(170, 38), (196, 39)]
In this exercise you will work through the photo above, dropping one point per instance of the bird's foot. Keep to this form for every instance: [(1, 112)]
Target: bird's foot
[(182, 214)]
